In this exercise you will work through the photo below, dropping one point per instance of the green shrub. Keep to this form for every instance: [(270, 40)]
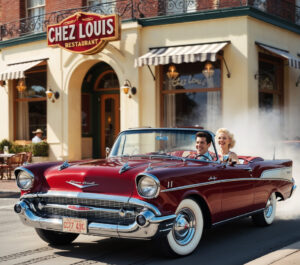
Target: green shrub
[(5, 142), (16, 148), (40, 149)]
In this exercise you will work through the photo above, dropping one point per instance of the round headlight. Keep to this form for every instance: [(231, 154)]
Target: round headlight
[(148, 186), (25, 180)]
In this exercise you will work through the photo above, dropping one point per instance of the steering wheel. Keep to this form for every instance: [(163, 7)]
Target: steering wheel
[(199, 155)]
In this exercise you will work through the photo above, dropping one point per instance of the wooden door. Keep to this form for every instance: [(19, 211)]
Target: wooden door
[(110, 120)]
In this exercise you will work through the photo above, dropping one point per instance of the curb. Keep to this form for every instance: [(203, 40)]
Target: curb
[(9, 194), (280, 255)]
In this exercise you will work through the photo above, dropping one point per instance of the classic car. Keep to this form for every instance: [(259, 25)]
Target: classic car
[(149, 187)]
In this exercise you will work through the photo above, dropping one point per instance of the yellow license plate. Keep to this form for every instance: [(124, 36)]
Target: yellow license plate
[(75, 225)]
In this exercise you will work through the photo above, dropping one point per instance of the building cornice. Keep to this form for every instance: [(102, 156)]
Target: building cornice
[(221, 13)]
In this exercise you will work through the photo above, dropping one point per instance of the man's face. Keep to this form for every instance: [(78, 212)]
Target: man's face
[(201, 145)]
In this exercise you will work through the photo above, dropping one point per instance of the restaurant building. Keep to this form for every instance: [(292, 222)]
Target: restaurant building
[(174, 63)]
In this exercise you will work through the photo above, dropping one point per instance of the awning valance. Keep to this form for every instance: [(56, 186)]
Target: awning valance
[(181, 54), (16, 71), (293, 61)]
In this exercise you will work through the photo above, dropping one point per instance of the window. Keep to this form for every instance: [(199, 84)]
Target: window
[(270, 83), (30, 105), (36, 10), (102, 6), (191, 94)]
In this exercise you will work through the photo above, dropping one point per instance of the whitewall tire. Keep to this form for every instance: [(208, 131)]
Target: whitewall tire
[(187, 231), (266, 217)]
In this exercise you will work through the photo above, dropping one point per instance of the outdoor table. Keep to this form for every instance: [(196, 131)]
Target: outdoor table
[(6, 155)]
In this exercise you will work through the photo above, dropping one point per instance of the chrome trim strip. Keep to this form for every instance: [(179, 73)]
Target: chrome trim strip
[(88, 208), (221, 181), (126, 231), (94, 196), (237, 217)]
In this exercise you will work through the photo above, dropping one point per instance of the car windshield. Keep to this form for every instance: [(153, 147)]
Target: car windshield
[(175, 142)]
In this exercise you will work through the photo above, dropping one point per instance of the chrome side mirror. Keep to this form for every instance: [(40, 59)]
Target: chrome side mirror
[(107, 151)]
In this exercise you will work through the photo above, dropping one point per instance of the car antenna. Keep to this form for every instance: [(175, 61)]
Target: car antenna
[(274, 152)]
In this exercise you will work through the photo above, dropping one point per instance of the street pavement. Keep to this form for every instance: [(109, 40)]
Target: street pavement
[(288, 255)]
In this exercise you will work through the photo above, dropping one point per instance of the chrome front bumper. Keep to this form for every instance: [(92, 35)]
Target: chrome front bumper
[(153, 226)]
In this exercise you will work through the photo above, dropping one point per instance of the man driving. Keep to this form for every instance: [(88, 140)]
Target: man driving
[(203, 142)]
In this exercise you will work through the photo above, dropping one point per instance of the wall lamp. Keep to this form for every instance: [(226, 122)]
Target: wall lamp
[(172, 72), (128, 89), (208, 70), (52, 95), (21, 87)]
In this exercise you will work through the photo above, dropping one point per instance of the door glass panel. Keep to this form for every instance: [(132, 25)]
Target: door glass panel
[(109, 122)]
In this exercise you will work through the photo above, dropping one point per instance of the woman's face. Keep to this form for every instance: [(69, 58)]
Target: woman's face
[(223, 140)]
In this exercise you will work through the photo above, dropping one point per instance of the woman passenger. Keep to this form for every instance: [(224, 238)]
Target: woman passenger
[(226, 141)]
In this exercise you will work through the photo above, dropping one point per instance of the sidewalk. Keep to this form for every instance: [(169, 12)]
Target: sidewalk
[(9, 189)]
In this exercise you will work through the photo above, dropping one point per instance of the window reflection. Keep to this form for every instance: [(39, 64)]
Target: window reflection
[(193, 97)]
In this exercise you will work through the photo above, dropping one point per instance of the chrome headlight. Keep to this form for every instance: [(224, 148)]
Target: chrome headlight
[(25, 179), (148, 186)]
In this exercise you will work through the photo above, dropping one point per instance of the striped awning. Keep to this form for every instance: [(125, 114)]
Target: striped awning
[(16, 71), (181, 54), (293, 61)]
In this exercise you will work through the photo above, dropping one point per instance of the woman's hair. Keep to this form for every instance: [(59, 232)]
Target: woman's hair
[(228, 133)]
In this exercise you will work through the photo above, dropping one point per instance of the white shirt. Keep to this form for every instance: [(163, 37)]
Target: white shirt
[(36, 139)]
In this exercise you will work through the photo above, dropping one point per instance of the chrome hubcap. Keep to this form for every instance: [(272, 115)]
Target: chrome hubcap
[(184, 227), (269, 208)]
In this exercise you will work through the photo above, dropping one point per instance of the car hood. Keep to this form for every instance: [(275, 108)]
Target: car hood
[(106, 176)]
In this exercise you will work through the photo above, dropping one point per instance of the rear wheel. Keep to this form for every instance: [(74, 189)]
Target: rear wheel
[(56, 238), (266, 217), (187, 231)]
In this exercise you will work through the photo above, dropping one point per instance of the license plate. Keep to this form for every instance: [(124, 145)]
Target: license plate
[(75, 225)]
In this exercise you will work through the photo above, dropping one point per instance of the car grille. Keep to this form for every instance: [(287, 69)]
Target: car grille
[(108, 211)]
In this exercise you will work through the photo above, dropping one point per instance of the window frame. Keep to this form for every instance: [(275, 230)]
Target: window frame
[(34, 7), (16, 99), (163, 92), (279, 75)]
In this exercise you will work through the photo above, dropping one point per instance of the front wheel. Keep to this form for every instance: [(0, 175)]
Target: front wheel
[(266, 217), (187, 230), (56, 238)]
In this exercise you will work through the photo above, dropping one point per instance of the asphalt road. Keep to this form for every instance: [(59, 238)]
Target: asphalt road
[(233, 243)]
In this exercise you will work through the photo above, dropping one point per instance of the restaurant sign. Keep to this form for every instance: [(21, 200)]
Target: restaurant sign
[(85, 33)]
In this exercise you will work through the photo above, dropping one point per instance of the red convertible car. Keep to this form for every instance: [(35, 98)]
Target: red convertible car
[(149, 188)]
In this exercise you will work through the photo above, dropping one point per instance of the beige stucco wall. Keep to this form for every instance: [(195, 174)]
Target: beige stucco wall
[(282, 39)]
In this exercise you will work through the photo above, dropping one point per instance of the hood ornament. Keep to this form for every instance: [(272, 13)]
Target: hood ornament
[(64, 165), (82, 184), (124, 168)]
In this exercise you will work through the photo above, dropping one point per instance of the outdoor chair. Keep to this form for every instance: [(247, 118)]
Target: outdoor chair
[(12, 163)]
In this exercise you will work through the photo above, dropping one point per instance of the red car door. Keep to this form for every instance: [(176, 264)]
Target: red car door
[(237, 188)]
